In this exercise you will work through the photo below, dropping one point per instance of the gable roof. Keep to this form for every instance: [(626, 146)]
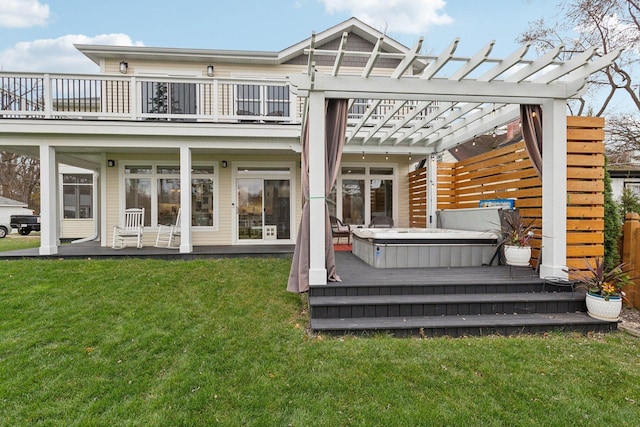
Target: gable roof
[(4, 201), (352, 25)]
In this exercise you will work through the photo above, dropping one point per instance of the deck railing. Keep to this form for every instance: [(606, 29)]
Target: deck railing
[(66, 96)]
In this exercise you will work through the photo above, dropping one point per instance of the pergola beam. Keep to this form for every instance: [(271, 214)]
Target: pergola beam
[(408, 88)]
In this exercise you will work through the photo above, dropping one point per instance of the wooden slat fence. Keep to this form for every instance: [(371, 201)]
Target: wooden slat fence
[(631, 257), (507, 173)]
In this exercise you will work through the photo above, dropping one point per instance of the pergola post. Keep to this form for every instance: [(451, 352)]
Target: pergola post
[(432, 190), (185, 200), (554, 188), (317, 159), (48, 199)]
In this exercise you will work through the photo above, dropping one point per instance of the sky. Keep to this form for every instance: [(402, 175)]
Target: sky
[(38, 35)]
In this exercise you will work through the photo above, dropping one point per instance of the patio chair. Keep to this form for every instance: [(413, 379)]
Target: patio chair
[(338, 229), (132, 230), (381, 222), (167, 234)]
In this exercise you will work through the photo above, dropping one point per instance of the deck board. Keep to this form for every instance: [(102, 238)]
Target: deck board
[(355, 272)]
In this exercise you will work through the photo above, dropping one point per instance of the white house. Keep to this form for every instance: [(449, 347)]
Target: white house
[(217, 133)]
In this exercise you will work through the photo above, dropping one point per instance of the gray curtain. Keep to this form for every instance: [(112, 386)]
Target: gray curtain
[(335, 129), (531, 117)]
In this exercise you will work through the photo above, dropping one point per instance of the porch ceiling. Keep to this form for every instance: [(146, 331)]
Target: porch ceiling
[(448, 101)]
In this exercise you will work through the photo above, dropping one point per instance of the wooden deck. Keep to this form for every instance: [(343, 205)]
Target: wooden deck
[(445, 301)]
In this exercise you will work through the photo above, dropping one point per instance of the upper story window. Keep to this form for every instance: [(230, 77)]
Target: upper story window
[(256, 100), (169, 98)]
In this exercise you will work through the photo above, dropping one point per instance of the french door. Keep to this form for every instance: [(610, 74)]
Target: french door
[(263, 209)]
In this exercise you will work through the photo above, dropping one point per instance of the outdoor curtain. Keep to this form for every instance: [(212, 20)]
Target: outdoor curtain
[(335, 129), (531, 117)]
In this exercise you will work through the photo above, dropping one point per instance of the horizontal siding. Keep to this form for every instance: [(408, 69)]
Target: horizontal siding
[(77, 228)]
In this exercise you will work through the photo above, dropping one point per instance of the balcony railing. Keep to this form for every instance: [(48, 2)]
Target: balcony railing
[(64, 96)]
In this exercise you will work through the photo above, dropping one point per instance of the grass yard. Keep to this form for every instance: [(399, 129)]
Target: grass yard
[(15, 241), (220, 342)]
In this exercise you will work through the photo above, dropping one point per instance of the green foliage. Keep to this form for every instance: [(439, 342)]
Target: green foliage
[(612, 225), (517, 231), (220, 342), (599, 280), (628, 203)]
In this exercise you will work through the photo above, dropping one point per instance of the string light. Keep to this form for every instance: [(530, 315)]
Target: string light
[(363, 155), (386, 156), (495, 131), (409, 156)]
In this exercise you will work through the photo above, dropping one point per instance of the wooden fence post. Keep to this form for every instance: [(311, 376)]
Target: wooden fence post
[(631, 256)]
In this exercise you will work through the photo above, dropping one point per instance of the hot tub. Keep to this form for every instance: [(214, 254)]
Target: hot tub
[(423, 247)]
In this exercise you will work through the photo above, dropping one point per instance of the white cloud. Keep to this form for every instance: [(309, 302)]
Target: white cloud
[(23, 13), (395, 16), (58, 55)]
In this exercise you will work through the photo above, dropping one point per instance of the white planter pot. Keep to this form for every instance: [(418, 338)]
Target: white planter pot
[(517, 255), (601, 309)]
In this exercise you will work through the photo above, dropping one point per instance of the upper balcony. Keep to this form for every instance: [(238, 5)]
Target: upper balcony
[(147, 98)]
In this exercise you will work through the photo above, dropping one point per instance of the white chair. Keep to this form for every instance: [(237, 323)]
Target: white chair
[(132, 231), (167, 234)]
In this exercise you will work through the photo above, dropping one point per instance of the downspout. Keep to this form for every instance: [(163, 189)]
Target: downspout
[(96, 233)]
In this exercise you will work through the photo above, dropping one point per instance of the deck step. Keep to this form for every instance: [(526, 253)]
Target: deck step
[(532, 285), (457, 326), (445, 304)]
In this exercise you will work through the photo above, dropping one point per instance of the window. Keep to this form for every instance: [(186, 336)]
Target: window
[(168, 194), (381, 192), (634, 187), (77, 190), (363, 193), (156, 188), (169, 98), (277, 101), (250, 98), (202, 196)]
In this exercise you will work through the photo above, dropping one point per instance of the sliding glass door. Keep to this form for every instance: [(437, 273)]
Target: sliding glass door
[(263, 207)]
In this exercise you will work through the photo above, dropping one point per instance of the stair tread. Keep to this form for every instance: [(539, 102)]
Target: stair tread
[(459, 321), (319, 301)]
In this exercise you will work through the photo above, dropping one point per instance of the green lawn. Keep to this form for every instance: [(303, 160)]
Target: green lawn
[(15, 241), (220, 342)]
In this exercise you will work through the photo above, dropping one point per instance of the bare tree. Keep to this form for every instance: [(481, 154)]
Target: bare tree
[(606, 24), (20, 174), (20, 178)]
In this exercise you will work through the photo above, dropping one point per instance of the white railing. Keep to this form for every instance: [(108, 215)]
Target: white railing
[(152, 98)]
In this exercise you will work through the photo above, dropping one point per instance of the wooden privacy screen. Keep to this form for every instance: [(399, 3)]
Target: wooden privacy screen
[(507, 173)]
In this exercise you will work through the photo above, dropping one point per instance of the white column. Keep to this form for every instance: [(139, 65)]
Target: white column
[(317, 159), (48, 205), (432, 190), (185, 200), (102, 216), (554, 188)]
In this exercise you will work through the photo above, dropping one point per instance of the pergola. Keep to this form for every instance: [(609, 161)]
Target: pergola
[(429, 104)]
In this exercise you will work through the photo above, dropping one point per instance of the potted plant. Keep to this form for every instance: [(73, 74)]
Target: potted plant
[(516, 234), (604, 288)]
